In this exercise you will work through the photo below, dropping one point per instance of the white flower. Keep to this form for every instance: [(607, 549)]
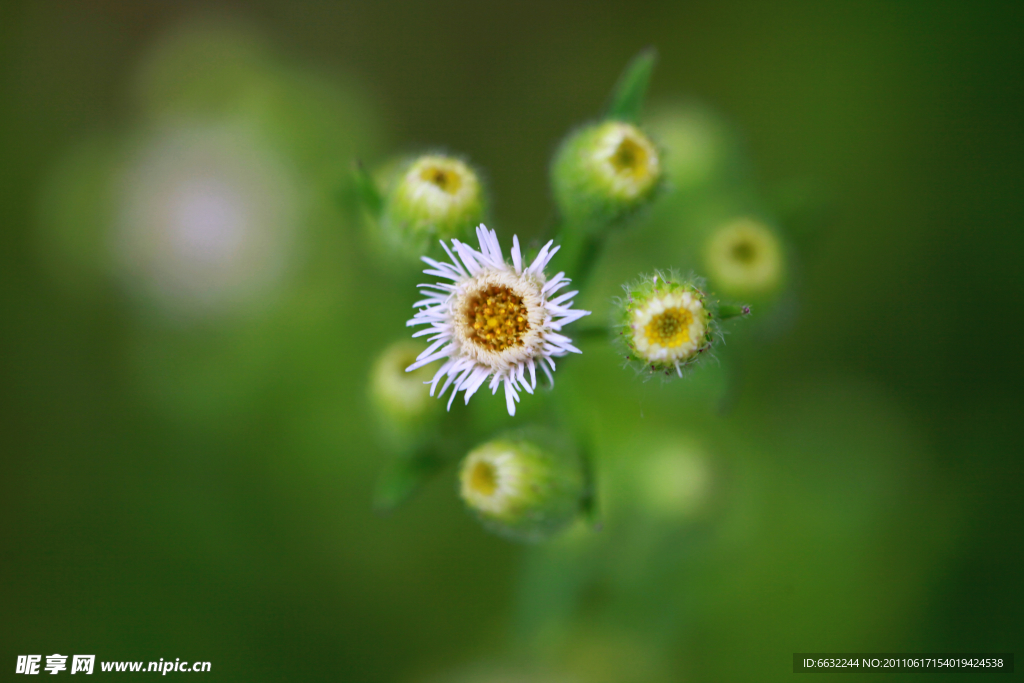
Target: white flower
[(208, 220), (494, 320)]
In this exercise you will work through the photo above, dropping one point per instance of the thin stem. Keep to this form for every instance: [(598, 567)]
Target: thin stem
[(729, 311), (581, 249)]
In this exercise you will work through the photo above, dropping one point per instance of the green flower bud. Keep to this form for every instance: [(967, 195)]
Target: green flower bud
[(698, 147), (521, 489), (430, 198), (665, 477), (400, 399), (604, 171), (744, 258), (667, 324)]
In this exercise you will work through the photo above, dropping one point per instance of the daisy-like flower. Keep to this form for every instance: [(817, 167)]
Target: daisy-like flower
[(493, 320), (667, 324)]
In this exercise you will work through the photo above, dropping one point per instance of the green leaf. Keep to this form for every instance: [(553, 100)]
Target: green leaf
[(628, 97), (403, 478), (366, 189)]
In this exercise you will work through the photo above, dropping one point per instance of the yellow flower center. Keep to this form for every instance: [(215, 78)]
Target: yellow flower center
[(631, 158), (743, 251), (483, 479), (445, 179), (670, 328), (497, 317)]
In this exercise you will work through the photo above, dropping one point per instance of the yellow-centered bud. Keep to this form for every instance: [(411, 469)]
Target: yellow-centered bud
[(400, 399), (604, 171), (432, 197), (666, 324), (521, 489), (744, 259)]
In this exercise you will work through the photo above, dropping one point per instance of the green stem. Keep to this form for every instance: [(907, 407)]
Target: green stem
[(729, 311), (580, 252)]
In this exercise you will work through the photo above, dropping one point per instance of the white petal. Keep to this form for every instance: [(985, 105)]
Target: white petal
[(517, 256), (439, 374), (538, 263), (510, 397), (553, 283), (431, 348), (420, 362), (521, 376), (475, 380), (454, 260), (468, 256), (562, 297), (551, 379)]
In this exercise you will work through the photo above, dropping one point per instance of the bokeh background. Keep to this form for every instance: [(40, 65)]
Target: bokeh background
[(189, 319)]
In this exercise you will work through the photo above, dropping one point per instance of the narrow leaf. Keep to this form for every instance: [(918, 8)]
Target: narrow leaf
[(628, 97), (403, 478), (366, 189)]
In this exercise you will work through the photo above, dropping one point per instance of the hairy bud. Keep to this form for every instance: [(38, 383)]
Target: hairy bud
[(432, 197), (604, 171), (666, 324), (522, 489)]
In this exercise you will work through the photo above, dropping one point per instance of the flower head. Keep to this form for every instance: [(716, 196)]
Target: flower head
[(523, 489), (433, 196), (668, 476), (493, 319), (667, 324), (604, 171), (744, 258), (399, 398), (699, 148), (208, 220)]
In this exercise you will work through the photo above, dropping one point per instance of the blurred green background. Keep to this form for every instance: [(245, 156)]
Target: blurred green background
[(188, 463)]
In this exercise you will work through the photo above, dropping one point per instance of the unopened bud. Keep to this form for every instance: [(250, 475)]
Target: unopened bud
[(401, 399), (666, 324), (521, 489), (698, 147), (744, 259), (668, 479), (433, 197), (604, 171)]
